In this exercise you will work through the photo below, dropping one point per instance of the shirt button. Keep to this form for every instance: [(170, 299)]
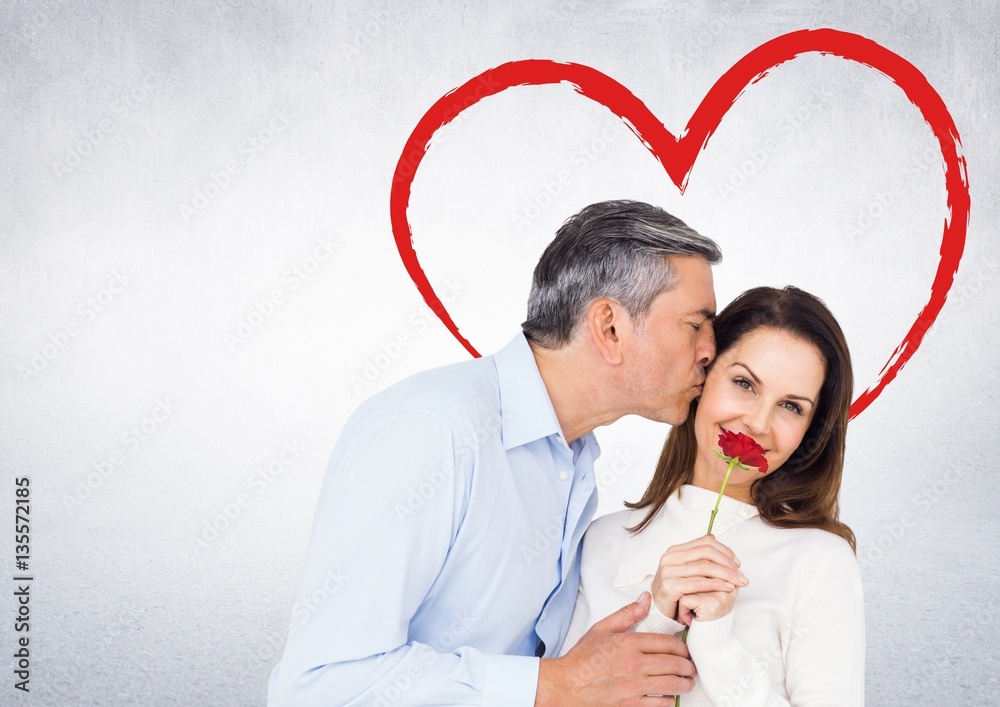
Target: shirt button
[(563, 474), (634, 578), (544, 614), (744, 512)]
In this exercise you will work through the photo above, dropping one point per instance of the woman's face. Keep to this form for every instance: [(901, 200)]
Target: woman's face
[(765, 386)]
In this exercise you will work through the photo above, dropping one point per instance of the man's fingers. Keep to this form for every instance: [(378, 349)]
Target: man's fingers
[(659, 644), (626, 617), (663, 665), (665, 688)]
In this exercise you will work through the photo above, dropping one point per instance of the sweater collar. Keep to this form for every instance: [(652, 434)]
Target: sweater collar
[(688, 507)]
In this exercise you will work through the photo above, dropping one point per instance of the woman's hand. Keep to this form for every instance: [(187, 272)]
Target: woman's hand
[(703, 566), (705, 607)]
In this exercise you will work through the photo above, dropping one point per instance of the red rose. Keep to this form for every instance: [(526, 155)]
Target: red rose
[(737, 445)]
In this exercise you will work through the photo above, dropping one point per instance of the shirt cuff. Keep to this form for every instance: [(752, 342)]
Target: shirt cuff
[(511, 681), (657, 622)]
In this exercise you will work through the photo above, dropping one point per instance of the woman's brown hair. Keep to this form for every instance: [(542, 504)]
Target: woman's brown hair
[(803, 492)]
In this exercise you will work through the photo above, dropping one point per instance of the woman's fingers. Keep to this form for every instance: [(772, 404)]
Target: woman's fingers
[(702, 567), (714, 551), (707, 541), (706, 606)]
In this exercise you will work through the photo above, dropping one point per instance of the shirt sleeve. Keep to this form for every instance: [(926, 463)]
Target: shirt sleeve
[(391, 504), (824, 658)]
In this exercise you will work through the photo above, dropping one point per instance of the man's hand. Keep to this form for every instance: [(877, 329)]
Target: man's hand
[(610, 666)]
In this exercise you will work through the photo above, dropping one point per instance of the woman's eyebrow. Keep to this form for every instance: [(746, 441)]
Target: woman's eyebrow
[(800, 397), (757, 381), (749, 370)]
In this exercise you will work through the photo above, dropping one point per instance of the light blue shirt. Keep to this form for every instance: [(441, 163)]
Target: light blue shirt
[(446, 544)]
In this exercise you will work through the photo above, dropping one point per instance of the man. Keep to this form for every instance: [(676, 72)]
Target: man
[(455, 501)]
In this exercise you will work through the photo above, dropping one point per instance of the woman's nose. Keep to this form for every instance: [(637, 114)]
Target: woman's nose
[(757, 420)]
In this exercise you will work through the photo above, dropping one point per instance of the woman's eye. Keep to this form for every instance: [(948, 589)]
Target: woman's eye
[(793, 407), (743, 383)]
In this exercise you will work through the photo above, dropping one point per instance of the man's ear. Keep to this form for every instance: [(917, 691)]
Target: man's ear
[(606, 322)]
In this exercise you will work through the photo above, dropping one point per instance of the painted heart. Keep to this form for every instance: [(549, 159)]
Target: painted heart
[(677, 154)]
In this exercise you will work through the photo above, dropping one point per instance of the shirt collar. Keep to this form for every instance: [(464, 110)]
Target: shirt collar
[(689, 506), (525, 408)]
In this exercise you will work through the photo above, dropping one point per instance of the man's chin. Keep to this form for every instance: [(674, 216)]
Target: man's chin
[(675, 418), (679, 417)]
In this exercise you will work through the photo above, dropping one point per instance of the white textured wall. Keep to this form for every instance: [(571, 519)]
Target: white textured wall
[(116, 115)]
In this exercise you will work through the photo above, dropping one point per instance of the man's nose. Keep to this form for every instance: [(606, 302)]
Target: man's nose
[(705, 351)]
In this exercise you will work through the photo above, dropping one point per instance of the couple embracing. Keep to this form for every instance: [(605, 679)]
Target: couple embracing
[(442, 605)]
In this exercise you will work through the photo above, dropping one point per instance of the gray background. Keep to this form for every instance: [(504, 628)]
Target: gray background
[(117, 118)]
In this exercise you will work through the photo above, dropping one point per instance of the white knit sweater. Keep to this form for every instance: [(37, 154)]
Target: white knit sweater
[(796, 635)]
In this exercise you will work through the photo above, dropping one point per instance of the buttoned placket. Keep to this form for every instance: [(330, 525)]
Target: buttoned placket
[(731, 519), (575, 489)]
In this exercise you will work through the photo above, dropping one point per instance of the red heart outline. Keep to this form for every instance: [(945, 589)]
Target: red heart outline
[(677, 154)]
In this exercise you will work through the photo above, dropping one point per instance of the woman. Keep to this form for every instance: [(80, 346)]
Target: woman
[(773, 599)]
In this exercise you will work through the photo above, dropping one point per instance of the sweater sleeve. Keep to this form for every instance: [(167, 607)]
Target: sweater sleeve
[(825, 664), (657, 622), (726, 673), (824, 646)]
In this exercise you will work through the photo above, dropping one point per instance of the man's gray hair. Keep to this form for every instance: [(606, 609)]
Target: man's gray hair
[(613, 249)]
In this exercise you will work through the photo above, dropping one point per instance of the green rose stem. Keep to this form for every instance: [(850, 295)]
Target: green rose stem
[(733, 461)]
